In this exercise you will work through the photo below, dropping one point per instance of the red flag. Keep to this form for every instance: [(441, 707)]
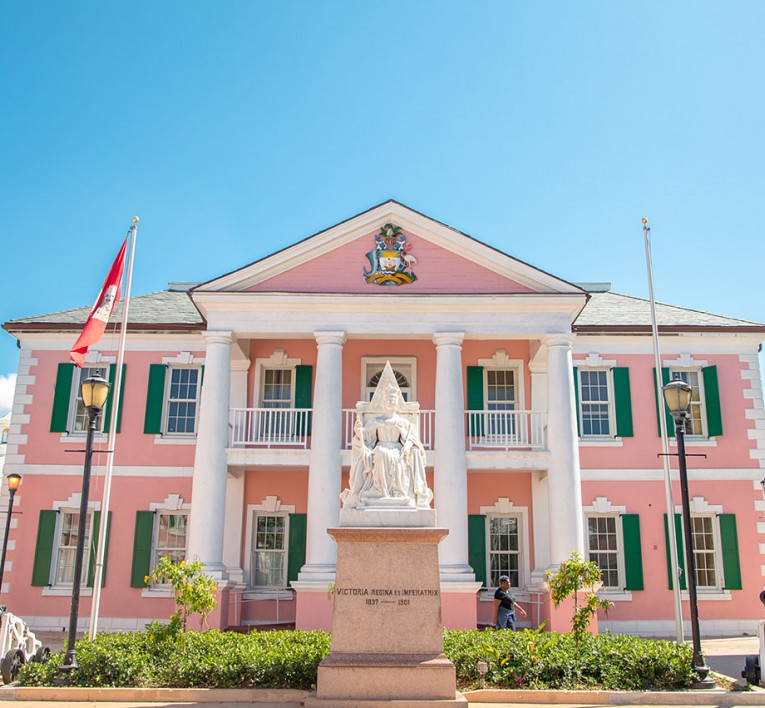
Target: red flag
[(102, 310)]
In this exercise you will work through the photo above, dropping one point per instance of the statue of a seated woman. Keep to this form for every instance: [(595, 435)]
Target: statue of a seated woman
[(387, 457)]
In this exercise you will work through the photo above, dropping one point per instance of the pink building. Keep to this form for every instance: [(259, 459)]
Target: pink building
[(537, 411)]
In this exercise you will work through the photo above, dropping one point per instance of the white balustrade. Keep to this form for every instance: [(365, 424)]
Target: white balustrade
[(290, 427), (506, 430), (270, 427)]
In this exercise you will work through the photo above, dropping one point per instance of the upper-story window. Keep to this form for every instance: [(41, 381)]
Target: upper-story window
[(695, 422), (79, 416), (603, 399), (4, 437), (704, 419), (172, 401), (182, 400), (277, 390), (404, 369)]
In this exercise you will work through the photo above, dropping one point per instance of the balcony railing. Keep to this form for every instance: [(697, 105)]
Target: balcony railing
[(291, 428), (425, 422), (270, 427), (506, 430)]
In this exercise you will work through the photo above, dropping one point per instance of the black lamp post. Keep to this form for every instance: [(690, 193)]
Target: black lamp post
[(94, 393), (13, 484), (677, 396)]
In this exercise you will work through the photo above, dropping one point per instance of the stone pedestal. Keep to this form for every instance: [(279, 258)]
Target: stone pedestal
[(387, 642)]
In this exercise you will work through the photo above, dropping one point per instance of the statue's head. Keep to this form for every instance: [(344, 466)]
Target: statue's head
[(390, 397)]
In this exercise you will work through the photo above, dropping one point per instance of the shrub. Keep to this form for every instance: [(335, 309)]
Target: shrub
[(193, 591), (164, 656), (577, 575)]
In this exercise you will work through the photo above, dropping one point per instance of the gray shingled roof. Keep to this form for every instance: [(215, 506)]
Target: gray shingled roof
[(166, 307), (609, 309), (604, 309)]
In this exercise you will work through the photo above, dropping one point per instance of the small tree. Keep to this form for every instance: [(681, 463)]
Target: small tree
[(573, 576), (193, 591)]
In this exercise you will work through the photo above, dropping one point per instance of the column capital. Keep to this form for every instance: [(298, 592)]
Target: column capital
[(562, 339), (218, 337), (329, 338), (448, 339)]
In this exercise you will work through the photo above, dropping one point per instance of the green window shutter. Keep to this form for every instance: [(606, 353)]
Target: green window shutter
[(578, 406), (142, 540), (110, 400), (46, 530), (660, 405), (633, 554), (304, 391), (475, 398), (155, 399), (477, 546), (94, 548), (623, 402), (296, 550), (712, 401), (680, 551), (60, 414), (729, 542)]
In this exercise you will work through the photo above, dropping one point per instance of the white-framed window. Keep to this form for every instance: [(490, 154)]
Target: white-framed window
[(169, 536), (604, 535), (268, 565), (67, 533), (695, 422), (706, 551), (181, 409), (504, 549), (404, 369), (78, 416), (277, 389), (596, 398)]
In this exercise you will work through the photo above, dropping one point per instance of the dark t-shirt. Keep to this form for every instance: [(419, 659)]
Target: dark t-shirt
[(506, 600)]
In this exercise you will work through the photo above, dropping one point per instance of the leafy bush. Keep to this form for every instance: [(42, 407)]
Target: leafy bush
[(193, 590), (546, 660), (164, 656)]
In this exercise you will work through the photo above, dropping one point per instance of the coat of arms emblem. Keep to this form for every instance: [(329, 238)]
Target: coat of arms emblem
[(390, 261)]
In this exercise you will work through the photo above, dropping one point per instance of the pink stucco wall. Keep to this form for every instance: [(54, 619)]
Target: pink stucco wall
[(134, 446), (438, 270), (118, 599), (641, 450)]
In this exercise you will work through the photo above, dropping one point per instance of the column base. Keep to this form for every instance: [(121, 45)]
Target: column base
[(317, 573)]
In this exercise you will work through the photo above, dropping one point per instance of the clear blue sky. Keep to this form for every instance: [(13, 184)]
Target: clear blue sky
[(546, 129)]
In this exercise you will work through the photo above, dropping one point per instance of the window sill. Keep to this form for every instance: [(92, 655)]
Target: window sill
[(600, 442), (65, 591), (175, 439), (695, 441), (268, 594), (617, 595), (702, 595), (165, 592), (99, 437)]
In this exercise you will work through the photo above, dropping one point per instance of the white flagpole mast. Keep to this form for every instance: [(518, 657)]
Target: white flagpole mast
[(664, 443), (112, 441)]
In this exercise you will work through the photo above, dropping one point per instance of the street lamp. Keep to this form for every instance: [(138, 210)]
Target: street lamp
[(94, 393), (13, 484), (677, 397)]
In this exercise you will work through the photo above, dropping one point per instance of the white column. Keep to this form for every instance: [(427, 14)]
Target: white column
[(208, 491), (564, 484), (324, 472), (450, 473)]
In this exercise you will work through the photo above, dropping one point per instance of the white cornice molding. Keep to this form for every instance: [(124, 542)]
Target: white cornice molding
[(417, 224)]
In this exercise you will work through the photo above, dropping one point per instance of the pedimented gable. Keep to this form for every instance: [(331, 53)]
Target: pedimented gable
[(390, 249)]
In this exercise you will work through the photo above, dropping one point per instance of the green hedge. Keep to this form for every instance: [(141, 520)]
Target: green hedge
[(161, 657)]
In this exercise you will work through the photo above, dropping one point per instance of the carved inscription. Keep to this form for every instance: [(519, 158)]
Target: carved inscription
[(372, 597)]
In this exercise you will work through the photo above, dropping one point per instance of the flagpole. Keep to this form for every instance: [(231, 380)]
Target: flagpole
[(111, 442), (664, 443)]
